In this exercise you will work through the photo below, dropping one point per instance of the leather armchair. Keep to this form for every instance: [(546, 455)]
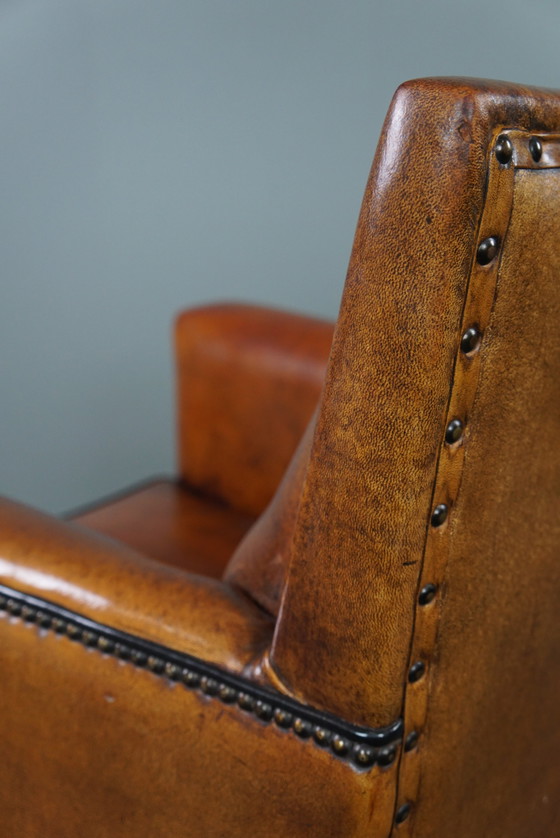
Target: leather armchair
[(341, 619)]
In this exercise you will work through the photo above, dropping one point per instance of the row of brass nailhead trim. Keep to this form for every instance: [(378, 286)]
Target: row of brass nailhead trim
[(487, 255), (360, 755)]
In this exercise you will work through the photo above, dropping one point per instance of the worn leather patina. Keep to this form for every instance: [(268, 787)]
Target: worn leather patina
[(368, 646)]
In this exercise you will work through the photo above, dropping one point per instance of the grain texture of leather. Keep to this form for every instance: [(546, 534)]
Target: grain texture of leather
[(344, 642), (166, 521), (248, 380), (490, 765)]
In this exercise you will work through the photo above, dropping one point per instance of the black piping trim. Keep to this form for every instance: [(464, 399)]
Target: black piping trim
[(360, 746)]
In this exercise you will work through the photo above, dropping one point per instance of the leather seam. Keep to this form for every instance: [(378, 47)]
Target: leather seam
[(479, 303)]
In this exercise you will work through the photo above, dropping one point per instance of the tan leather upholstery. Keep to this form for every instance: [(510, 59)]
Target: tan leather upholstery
[(495, 686), (105, 581), (382, 655), (248, 381), (167, 521)]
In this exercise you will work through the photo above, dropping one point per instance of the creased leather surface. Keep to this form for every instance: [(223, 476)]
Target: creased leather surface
[(260, 564)]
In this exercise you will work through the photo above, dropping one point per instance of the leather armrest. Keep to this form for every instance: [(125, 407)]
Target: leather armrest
[(248, 381), (113, 744), (104, 581)]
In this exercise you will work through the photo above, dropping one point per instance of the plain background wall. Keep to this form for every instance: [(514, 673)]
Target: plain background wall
[(155, 155)]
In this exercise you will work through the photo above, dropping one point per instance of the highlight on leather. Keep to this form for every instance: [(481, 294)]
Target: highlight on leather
[(363, 747)]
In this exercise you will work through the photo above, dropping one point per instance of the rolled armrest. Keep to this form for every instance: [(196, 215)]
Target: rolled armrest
[(248, 381), (104, 581), (119, 733)]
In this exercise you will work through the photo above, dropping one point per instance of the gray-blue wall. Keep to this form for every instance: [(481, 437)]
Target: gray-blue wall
[(155, 155)]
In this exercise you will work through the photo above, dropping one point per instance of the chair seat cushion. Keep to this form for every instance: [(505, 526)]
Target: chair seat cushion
[(166, 521)]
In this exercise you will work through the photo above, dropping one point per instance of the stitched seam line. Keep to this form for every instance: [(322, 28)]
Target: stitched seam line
[(478, 305)]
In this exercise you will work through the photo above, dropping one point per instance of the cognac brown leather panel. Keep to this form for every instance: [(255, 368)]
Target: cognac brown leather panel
[(343, 643), (477, 311), (260, 564), (93, 747), (489, 759), (169, 523), (248, 381), (83, 571)]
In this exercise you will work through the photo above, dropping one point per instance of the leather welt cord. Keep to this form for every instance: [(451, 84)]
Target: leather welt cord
[(360, 747)]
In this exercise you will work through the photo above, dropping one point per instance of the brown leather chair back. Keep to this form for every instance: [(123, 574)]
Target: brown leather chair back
[(425, 567)]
